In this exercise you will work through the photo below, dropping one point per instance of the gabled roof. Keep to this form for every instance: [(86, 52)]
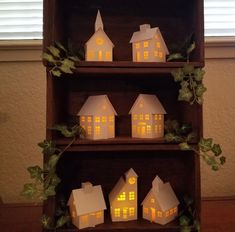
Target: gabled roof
[(149, 105), (88, 202), (97, 33), (163, 194), (97, 105), (130, 172), (148, 34)]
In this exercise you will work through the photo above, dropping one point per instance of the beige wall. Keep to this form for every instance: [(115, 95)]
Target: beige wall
[(22, 124)]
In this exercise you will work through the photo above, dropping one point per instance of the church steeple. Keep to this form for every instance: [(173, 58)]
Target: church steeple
[(99, 22)]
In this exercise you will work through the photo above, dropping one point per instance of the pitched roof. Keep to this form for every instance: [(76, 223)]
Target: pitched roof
[(147, 34), (164, 195), (146, 103), (97, 105), (98, 22), (88, 202), (130, 172)]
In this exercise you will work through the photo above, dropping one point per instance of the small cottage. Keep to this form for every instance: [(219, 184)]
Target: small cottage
[(147, 117), (123, 198), (87, 206), (99, 47), (161, 204), (148, 45), (97, 117)]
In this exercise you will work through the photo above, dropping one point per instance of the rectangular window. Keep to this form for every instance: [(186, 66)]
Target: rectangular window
[(137, 45), (141, 117), (131, 196), (146, 210), (148, 129), (146, 116), (97, 130), (97, 119), (131, 211), (89, 130), (89, 119), (111, 118), (156, 53), (83, 118), (146, 55), (158, 45), (175, 209), (108, 55), (125, 210), (167, 214), (155, 117), (138, 56), (160, 117), (117, 212), (104, 119), (152, 200), (171, 211), (159, 213), (122, 197), (146, 44), (160, 54), (90, 55), (100, 55)]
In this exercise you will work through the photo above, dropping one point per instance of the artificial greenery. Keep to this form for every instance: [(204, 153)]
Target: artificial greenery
[(60, 60), (183, 134)]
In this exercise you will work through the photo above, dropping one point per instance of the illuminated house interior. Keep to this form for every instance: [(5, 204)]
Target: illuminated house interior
[(148, 45), (99, 47), (161, 204), (147, 117), (123, 198), (97, 117), (87, 206)]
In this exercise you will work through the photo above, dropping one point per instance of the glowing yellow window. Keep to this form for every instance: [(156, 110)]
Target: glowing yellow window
[(141, 117), (97, 119), (99, 41), (156, 53), (132, 180), (135, 117), (148, 129), (167, 214), (156, 128), (108, 55), (100, 55), (117, 212), (171, 211), (111, 118), (137, 45), (84, 219), (131, 211), (131, 196), (125, 211), (146, 210), (90, 54), (156, 117), (146, 55), (89, 119), (146, 44), (160, 117), (89, 130), (111, 129), (99, 214), (122, 197), (175, 209), (146, 116), (152, 200), (97, 130), (159, 213), (104, 119), (160, 54), (158, 45), (83, 119), (138, 56), (133, 129)]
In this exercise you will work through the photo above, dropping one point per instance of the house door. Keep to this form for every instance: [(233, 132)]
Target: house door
[(125, 212), (137, 56), (100, 55), (153, 214)]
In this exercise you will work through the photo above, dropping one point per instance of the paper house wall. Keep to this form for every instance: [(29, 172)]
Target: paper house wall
[(99, 47), (97, 117), (161, 204), (148, 45), (123, 198), (87, 206), (147, 117)]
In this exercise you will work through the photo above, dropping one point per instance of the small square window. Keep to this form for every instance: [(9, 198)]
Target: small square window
[(137, 45)]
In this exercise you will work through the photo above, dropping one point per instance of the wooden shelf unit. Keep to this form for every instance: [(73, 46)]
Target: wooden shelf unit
[(71, 23)]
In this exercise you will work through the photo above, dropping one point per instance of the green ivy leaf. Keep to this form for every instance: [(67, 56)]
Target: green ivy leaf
[(205, 144), (65, 69), (191, 48), (46, 222), (53, 161), (35, 172), (210, 160), (184, 146), (185, 95), (198, 74), (62, 221), (170, 137), (200, 90), (29, 190), (185, 229), (48, 147), (55, 180), (171, 125), (188, 69), (48, 57), (178, 75), (54, 51), (56, 73), (216, 149), (184, 220), (215, 167), (50, 191), (197, 225), (200, 100), (184, 84), (190, 137), (60, 46), (175, 56), (69, 132), (222, 160)]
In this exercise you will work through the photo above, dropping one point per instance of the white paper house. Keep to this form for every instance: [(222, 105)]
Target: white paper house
[(147, 117), (148, 45), (123, 198), (97, 117), (99, 47), (161, 204), (87, 206)]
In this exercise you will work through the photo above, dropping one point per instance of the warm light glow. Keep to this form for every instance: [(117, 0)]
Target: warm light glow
[(83, 119), (141, 117), (131, 196), (167, 214), (171, 211), (156, 128), (84, 219), (97, 130), (99, 214), (89, 130), (122, 197), (138, 56), (97, 119), (89, 119), (141, 105), (152, 200), (146, 210), (159, 213), (131, 211), (135, 116), (100, 55), (108, 55), (132, 180), (156, 117), (156, 53), (146, 44), (158, 45), (125, 209), (175, 209), (153, 211), (160, 117), (146, 55), (90, 55), (99, 41), (134, 128), (148, 129), (159, 128), (137, 45), (111, 118), (104, 119), (160, 54), (117, 212), (146, 116), (143, 130), (111, 129)]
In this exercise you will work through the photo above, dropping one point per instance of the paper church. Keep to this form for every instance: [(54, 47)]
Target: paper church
[(99, 47), (147, 117), (97, 117), (123, 198), (87, 206), (161, 204), (148, 45)]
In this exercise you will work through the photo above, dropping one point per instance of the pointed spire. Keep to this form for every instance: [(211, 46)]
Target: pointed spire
[(98, 22), (157, 183)]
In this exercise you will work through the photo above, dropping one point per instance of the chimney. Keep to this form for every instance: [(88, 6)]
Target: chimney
[(144, 27), (157, 184), (87, 187)]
